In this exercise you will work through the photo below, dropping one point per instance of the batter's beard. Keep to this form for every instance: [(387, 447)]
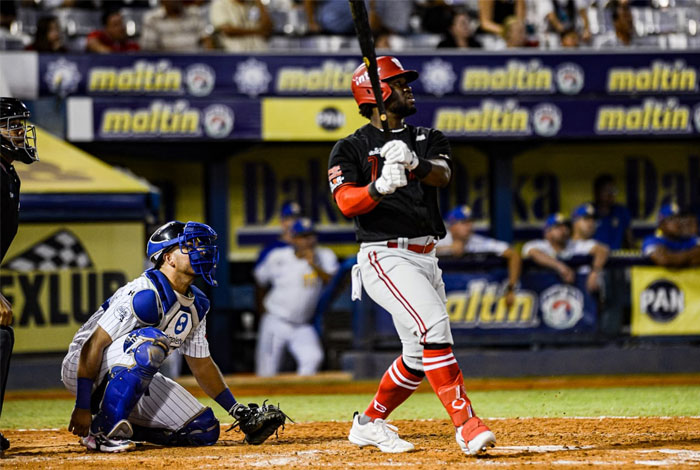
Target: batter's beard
[(402, 109)]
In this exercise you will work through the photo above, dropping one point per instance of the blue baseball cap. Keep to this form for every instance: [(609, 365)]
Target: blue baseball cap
[(668, 210), (291, 209), (302, 227), (584, 210), (458, 214), (553, 220)]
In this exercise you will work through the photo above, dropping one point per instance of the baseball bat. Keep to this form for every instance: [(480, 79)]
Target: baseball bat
[(369, 57)]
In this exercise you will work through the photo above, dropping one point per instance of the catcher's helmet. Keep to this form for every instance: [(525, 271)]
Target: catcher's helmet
[(198, 239), (13, 116), (388, 68)]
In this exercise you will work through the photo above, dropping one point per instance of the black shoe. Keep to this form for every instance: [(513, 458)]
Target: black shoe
[(4, 443)]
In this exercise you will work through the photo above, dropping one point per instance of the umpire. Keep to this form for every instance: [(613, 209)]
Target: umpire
[(17, 143)]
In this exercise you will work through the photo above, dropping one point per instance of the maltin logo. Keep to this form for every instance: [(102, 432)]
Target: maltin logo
[(330, 119), (662, 300)]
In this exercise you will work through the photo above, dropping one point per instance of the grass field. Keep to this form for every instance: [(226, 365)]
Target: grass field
[(593, 402)]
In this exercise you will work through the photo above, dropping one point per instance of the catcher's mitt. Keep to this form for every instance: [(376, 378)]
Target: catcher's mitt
[(259, 422)]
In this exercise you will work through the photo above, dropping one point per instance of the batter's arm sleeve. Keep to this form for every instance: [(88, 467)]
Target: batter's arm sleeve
[(196, 344), (351, 193)]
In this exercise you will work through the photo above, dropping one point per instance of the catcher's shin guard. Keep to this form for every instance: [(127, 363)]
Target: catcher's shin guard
[(7, 341), (202, 430), (125, 386)]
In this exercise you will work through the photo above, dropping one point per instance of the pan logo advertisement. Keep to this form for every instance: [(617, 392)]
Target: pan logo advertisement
[(57, 275), (665, 302)]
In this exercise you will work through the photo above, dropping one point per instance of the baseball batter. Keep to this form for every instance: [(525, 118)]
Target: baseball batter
[(112, 363), (296, 274), (389, 185)]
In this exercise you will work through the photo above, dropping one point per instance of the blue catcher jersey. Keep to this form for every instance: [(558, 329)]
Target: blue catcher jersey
[(150, 301)]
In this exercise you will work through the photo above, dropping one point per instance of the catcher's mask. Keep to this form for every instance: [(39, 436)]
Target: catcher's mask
[(17, 137), (197, 240), (388, 67)]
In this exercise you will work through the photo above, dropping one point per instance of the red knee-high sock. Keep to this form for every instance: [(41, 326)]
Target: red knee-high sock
[(396, 386), (445, 377)]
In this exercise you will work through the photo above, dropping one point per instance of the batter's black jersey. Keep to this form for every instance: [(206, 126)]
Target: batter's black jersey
[(411, 211), (9, 206)]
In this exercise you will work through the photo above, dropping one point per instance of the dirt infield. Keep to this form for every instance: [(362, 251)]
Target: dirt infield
[(563, 443), (523, 443)]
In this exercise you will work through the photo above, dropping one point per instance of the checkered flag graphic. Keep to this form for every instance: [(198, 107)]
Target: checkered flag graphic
[(62, 250)]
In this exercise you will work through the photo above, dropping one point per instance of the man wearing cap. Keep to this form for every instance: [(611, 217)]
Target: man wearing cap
[(584, 227), (461, 239), (558, 246), (670, 246), (295, 274)]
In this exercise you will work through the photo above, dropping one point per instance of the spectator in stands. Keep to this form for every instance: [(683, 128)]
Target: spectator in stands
[(460, 33), (241, 25), (623, 24), (514, 32), (670, 246), (329, 16), (493, 13), (112, 38), (561, 16), (583, 228), (461, 240), (558, 246), (172, 27), (48, 36), (614, 220), (385, 16)]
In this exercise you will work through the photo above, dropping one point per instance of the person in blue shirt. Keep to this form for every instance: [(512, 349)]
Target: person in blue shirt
[(613, 219), (670, 246)]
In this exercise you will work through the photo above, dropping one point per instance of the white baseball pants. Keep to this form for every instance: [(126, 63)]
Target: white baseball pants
[(277, 334)]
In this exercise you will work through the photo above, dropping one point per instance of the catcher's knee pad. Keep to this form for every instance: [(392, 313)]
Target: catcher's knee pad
[(202, 430), (125, 386), (439, 333)]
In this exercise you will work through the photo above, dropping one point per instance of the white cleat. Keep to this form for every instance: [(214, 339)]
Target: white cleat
[(100, 443), (474, 437), (378, 433)]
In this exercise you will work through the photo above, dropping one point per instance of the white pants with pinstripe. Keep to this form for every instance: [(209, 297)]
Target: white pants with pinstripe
[(409, 286), (166, 404)]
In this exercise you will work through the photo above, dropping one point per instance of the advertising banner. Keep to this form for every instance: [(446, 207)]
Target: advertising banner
[(543, 305), (309, 119), (664, 302), (57, 275), (326, 119), (537, 73)]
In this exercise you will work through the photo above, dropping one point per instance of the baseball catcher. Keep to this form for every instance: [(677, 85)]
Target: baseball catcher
[(258, 422)]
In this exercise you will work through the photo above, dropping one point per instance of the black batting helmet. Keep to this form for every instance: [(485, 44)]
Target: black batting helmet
[(13, 145)]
